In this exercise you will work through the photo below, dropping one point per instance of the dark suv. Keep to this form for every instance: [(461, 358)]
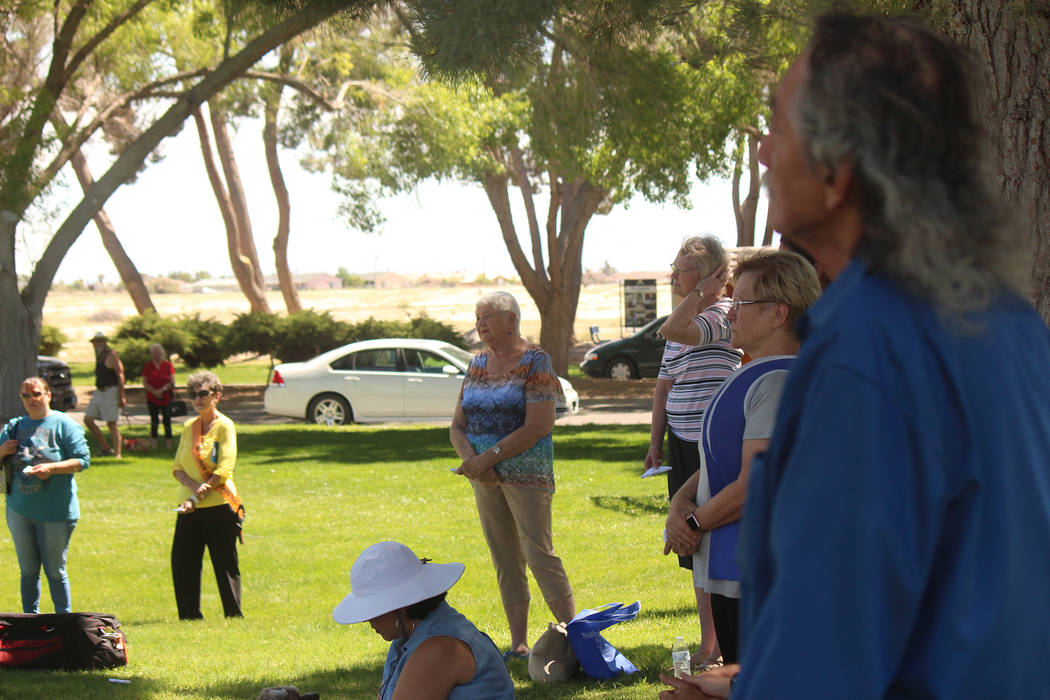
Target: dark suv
[(633, 357), (56, 372)]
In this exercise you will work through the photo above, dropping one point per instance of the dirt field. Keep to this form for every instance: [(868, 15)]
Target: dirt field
[(81, 314)]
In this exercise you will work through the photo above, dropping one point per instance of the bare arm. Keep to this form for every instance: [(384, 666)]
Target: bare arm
[(679, 326), (655, 456), (114, 363), (727, 505), (539, 420), (46, 470), (436, 667)]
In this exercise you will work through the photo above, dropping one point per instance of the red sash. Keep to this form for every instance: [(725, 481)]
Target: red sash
[(227, 489)]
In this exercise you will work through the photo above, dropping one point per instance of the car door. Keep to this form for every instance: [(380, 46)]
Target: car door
[(373, 381), (429, 391)]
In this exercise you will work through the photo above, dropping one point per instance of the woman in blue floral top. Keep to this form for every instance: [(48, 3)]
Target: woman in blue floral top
[(502, 432)]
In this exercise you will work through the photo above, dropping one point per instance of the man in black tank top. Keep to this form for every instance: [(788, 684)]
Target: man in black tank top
[(108, 398)]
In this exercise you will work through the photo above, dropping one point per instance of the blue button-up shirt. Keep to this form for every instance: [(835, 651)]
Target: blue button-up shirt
[(896, 539)]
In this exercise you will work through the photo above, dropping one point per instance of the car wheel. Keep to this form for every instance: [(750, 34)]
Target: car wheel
[(619, 368), (329, 409)]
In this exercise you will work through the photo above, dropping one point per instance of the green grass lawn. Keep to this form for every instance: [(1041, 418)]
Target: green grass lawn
[(254, 371), (315, 498)]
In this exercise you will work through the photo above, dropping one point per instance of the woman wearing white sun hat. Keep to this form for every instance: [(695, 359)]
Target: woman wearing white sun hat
[(435, 652)]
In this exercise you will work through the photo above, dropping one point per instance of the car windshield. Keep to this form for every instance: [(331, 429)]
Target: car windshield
[(458, 353)]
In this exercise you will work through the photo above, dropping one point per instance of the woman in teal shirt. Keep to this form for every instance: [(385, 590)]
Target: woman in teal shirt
[(41, 452)]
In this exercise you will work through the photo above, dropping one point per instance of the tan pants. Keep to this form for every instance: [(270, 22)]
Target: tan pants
[(516, 522)]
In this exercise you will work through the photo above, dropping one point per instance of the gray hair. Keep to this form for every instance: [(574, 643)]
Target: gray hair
[(203, 380), (158, 346), (892, 99), (503, 303), (706, 251), (781, 276)]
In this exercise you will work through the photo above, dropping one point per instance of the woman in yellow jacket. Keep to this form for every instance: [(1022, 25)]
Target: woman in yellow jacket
[(211, 512)]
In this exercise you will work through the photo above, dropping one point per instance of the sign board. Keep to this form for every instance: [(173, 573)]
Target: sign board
[(639, 302)]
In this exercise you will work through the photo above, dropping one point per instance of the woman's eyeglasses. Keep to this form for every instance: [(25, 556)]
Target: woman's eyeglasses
[(32, 394), (737, 303), (676, 268), (202, 394)]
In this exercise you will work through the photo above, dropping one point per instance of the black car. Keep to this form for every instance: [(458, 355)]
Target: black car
[(633, 357), (57, 374)]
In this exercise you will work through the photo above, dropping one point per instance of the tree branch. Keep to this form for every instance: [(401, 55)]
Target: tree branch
[(101, 36)]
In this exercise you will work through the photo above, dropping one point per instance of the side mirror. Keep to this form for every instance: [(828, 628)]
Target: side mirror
[(450, 370)]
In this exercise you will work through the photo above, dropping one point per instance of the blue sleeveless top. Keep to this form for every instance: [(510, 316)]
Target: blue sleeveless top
[(490, 680), (720, 439)]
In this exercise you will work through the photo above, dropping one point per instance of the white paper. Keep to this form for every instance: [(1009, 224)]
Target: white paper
[(653, 471)]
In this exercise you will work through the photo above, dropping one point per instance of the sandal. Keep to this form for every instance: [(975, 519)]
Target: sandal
[(511, 654)]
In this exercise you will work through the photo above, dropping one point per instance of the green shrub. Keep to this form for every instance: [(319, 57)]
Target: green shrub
[(207, 346), (136, 333), (304, 334), (421, 326), (51, 340), (252, 333)]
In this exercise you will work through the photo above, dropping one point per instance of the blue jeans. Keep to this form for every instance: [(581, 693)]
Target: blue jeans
[(42, 542)]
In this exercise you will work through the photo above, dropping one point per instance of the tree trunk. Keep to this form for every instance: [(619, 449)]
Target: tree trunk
[(746, 211), (1012, 43), (245, 239), (21, 312), (280, 191), (767, 234), (556, 294), (129, 274), (241, 270), (20, 338)]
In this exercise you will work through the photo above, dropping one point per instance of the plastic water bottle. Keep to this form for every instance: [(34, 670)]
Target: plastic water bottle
[(680, 658)]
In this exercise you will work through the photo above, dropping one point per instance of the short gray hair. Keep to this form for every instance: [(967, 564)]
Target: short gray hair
[(503, 303), (706, 251), (892, 98), (204, 380)]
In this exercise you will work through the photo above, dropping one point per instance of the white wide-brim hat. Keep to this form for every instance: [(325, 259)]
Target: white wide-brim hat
[(388, 576)]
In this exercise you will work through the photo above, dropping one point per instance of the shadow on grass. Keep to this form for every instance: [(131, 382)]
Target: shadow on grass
[(632, 505), (355, 444)]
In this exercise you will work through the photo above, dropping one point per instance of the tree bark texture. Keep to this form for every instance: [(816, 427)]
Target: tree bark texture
[(746, 210), (556, 290), (129, 274), (280, 191), (240, 264), (1012, 42), (21, 310)]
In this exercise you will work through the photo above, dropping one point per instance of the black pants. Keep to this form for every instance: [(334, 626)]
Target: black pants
[(216, 529), (726, 612), (155, 413), (684, 460)]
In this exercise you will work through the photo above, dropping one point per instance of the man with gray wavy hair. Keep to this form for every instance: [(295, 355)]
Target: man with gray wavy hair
[(897, 531)]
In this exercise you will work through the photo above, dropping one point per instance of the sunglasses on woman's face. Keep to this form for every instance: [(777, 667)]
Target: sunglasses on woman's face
[(202, 394), (32, 394)]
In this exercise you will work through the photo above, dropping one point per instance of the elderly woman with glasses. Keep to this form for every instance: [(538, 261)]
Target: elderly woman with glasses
[(211, 512), (697, 358), (773, 288), (41, 452)]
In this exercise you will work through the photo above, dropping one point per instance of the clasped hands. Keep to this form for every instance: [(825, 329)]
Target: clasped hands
[(679, 538), (478, 468), (189, 505)]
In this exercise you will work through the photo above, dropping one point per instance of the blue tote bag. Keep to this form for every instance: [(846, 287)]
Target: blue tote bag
[(598, 658)]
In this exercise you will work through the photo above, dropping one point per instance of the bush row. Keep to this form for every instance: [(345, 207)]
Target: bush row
[(201, 342)]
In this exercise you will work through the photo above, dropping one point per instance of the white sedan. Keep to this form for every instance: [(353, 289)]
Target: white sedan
[(391, 379)]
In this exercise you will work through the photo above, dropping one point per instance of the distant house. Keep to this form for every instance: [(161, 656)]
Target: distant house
[(317, 281), (224, 284)]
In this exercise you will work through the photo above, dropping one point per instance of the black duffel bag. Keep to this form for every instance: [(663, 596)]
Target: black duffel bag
[(66, 641)]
